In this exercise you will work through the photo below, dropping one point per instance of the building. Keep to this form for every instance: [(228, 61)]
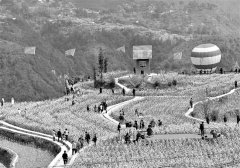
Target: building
[(142, 56)]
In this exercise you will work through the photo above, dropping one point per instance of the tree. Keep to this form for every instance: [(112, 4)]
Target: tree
[(94, 77), (101, 64), (105, 65)]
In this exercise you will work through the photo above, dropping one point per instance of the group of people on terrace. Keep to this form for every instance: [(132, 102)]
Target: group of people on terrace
[(76, 145)]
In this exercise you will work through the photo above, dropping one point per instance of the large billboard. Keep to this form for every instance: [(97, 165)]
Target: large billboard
[(142, 52)]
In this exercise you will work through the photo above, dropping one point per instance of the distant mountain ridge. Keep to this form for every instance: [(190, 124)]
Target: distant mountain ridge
[(56, 26)]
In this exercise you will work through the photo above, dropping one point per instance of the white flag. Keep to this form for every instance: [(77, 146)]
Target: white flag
[(122, 49), (30, 50), (177, 56), (70, 52)]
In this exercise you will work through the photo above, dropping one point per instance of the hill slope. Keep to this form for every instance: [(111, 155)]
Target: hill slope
[(56, 26)]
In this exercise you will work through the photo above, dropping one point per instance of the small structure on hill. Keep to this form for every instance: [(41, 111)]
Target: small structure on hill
[(142, 55)]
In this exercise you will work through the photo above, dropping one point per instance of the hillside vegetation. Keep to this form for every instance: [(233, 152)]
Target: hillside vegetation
[(56, 26)]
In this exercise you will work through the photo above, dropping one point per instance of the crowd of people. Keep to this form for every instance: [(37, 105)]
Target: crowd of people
[(76, 145), (136, 130)]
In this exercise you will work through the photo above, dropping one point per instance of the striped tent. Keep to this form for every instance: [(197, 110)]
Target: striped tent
[(206, 57)]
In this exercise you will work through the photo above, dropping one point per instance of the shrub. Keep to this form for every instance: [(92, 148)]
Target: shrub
[(214, 115)]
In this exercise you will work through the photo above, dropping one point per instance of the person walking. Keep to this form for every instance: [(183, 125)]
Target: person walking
[(65, 157), (135, 125), (87, 137), (59, 135), (236, 85), (141, 124), (191, 103), (66, 133), (133, 91), (136, 112), (202, 129), (54, 135), (81, 141), (19, 111), (112, 91), (238, 119), (100, 90), (88, 108), (95, 108), (119, 127), (74, 147), (12, 101), (123, 92), (94, 139), (2, 101), (159, 123), (225, 119)]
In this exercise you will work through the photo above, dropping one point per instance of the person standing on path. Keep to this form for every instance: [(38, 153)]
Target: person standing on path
[(87, 137), (59, 134), (19, 111), (238, 119), (12, 101), (54, 135), (191, 103), (65, 157), (225, 119), (74, 147), (141, 124), (66, 133), (202, 129), (123, 92), (136, 112), (119, 127), (2, 102), (133, 91)]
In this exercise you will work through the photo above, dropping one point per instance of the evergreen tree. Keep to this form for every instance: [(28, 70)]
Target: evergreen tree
[(94, 77), (101, 64), (105, 65)]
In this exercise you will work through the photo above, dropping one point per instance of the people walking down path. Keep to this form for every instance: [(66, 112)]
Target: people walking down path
[(65, 157)]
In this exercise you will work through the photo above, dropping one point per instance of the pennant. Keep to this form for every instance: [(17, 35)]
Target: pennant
[(70, 52), (177, 56), (121, 49), (30, 50)]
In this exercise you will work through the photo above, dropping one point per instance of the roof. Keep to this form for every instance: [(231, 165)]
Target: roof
[(142, 52)]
